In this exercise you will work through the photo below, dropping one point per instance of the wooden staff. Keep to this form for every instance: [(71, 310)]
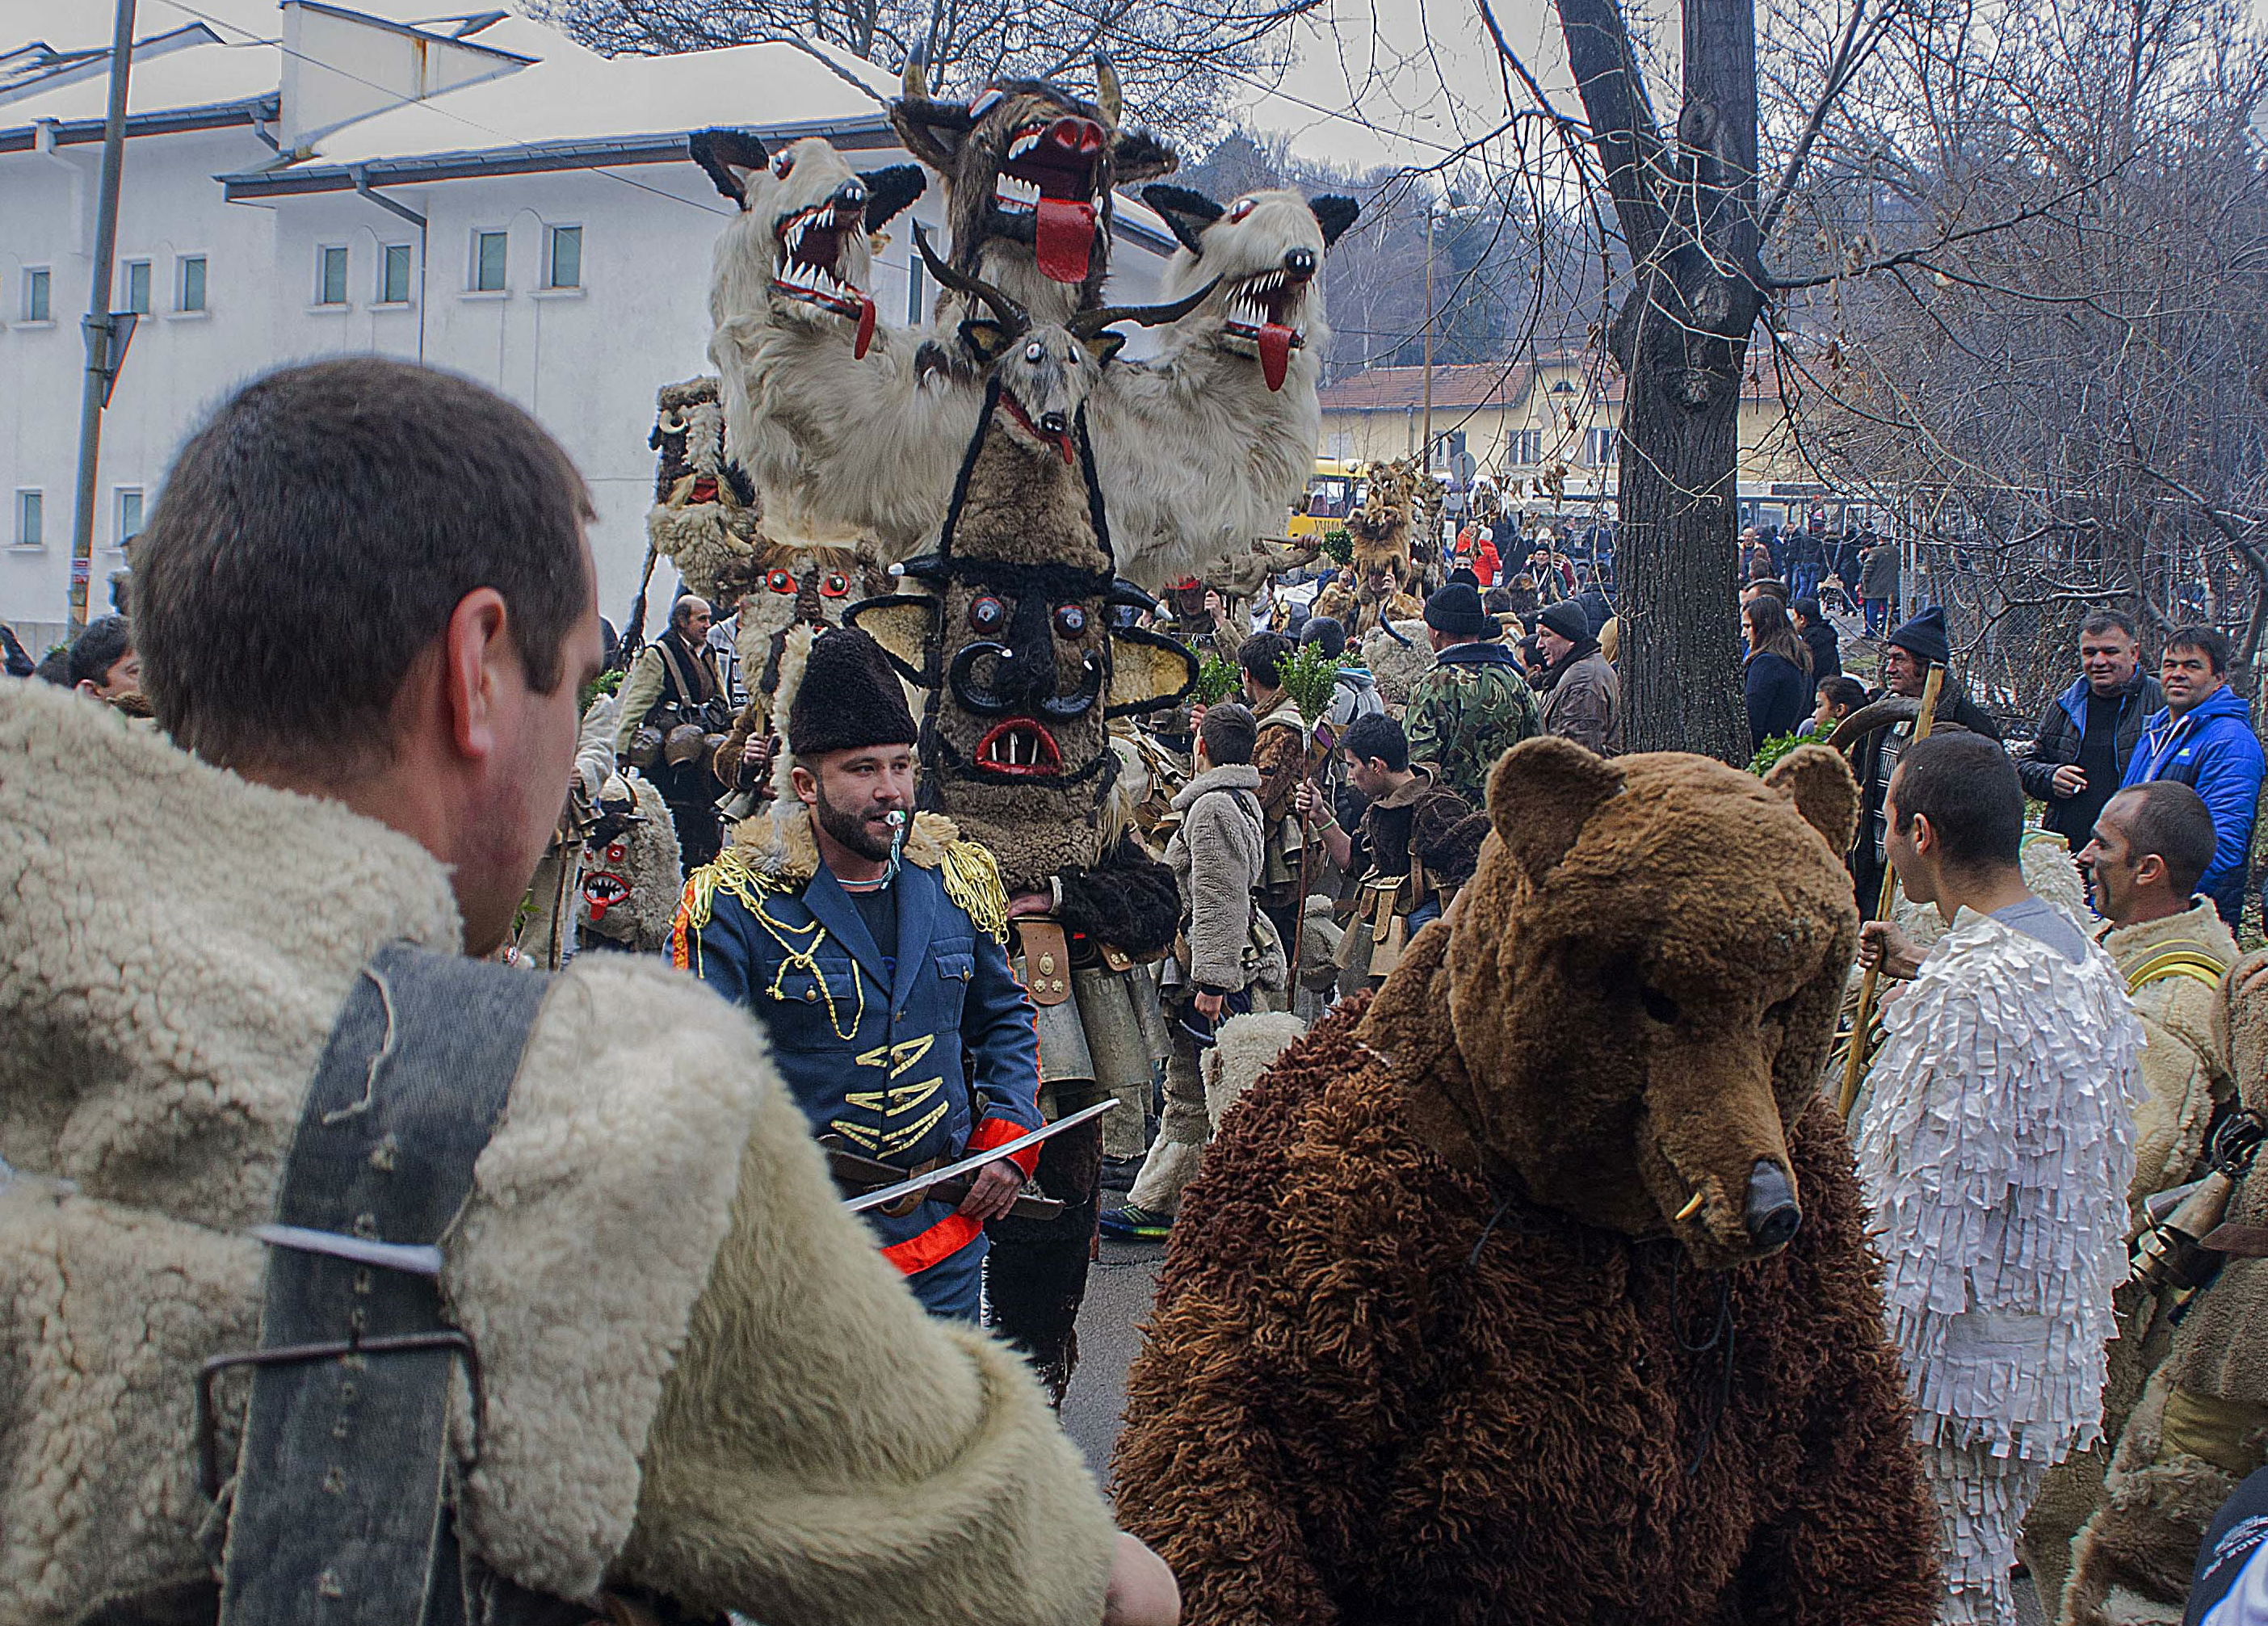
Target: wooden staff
[(1855, 1062)]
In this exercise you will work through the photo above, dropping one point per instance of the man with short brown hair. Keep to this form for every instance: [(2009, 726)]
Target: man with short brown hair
[(692, 1369)]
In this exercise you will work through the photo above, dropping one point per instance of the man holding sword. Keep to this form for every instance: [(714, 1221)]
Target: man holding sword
[(872, 944)]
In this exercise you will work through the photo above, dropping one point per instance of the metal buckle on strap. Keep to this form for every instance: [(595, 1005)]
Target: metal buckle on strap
[(411, 1259)]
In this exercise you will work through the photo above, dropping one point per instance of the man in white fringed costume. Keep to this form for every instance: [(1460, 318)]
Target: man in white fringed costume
[(1996, 1151)]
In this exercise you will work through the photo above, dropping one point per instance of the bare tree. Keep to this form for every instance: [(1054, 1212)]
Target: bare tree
[(1180, 61), (2072, 410)]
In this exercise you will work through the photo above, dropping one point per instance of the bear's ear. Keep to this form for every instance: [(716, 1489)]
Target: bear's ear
[(1541, 794), (1819, 783)]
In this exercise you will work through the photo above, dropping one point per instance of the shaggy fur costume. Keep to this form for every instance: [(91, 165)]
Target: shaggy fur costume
[(1199, 453), (2203, 1422), (643, 860), (703, 519), (1397, 663), (970, 151), (1432, 1342), (700, 1378)]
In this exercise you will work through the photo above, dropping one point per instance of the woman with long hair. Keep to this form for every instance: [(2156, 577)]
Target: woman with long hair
[(1778, 677)]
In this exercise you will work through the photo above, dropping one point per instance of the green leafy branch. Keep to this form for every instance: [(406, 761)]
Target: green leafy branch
[(1218, 680), (1308, 676)]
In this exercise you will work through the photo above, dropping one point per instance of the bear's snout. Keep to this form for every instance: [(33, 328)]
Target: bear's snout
[(1772, 1214)]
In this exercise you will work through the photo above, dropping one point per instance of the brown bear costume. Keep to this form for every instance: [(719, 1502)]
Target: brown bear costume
[(1497, 1319)]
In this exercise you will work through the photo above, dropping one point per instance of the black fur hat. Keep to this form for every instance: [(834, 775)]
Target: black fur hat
[(849, 698)]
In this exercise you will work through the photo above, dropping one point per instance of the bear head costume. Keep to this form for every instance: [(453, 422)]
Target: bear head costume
[(1536, 1286)]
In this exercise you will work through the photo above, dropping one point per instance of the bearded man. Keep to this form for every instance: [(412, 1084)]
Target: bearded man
[(876, 965)]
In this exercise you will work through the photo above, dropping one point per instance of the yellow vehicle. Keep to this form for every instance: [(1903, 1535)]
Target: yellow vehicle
[(1333, 491)]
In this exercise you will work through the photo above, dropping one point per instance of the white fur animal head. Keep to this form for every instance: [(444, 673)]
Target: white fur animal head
[(800, 245), (1264, 251), (630, 868)]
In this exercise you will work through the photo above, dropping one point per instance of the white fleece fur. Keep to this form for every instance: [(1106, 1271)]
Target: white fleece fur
[(1245, 1048), (168, 974)]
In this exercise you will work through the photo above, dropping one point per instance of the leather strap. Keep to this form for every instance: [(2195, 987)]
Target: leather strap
[(1047, 959), (340, 1515)]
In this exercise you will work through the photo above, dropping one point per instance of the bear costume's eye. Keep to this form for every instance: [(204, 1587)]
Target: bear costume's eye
[(1658, 1004), (1071, 621), (987, 614)]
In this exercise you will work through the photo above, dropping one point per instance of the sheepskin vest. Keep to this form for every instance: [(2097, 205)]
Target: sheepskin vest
[(170, 970)]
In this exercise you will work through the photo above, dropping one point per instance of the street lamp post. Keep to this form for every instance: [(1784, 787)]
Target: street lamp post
[(104, 331)]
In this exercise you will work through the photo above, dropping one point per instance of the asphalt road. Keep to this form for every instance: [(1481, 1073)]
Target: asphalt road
[(1118, 1293)]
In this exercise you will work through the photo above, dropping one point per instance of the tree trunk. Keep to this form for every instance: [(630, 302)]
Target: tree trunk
[(1681, 339)]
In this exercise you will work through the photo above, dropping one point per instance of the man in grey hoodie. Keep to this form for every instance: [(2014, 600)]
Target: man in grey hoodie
[(1228, 961)]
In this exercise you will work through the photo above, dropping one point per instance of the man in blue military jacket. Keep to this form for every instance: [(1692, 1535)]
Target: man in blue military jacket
[(876, 964)]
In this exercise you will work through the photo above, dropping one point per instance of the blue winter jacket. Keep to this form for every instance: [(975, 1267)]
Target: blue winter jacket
[(870, 1046), (2213, 751)]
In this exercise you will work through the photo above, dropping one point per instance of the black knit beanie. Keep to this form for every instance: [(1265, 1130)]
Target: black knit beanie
[(1924, 637)]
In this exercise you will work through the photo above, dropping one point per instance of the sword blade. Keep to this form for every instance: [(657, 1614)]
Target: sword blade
[(865, 1200)]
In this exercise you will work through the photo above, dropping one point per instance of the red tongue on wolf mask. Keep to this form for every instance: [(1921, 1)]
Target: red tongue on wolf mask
[(1063, 234), (1275, 353), (867, 328)]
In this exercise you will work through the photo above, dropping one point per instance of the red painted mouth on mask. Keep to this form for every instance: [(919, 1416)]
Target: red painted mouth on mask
[(811, 247), (1060, 443), (602, 889), (1020, 749), (704, 489), (1260, 313), (1053, 173)]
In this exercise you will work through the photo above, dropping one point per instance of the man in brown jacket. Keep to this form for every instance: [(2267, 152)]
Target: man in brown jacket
[(1229, 959), (1582, 697)]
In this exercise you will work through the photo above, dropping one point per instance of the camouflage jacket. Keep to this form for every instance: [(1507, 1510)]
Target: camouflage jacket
[(1469, 710)]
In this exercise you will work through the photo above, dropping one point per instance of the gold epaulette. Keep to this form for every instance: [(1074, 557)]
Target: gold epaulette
[(2176, 961), (737, 876), (972, 880)]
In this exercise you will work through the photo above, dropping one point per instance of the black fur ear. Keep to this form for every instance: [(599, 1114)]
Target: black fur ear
[(1189, 213), (730, 157), (931, 130), (1103, 346), (890, 190), (985, 338), (1334, 215), (1138, 155)]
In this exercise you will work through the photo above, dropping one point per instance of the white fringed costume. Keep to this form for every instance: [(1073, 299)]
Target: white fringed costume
[(1996, 1152)]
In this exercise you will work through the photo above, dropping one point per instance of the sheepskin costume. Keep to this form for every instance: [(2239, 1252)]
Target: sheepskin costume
[(2202, 1425), (704, 518), (628, 894), (1397, 663), (1465, 1319), (700, 1379)]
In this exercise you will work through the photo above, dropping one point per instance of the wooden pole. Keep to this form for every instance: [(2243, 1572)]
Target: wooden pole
[(1855, 1062)]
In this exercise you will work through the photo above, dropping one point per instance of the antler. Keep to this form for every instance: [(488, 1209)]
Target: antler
[(1087, 324), (1012, 315), (1108, 96), (915, 83)]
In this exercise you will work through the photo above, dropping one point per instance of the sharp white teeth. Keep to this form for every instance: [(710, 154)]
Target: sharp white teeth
[(1016, 192), (1023, 143)]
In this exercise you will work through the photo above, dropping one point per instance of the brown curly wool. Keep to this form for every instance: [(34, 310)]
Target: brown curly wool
[(1383, 1383)]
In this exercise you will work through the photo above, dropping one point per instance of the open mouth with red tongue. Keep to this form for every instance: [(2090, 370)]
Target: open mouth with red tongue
[(1262, 313), (602, 890), (1019, 749), (1051, 183), (1061, 442), (810, 255)]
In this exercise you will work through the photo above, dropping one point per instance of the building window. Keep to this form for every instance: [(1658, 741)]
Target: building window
[(394, 274), (189, 294), (36, 292), (137, 287), (1603, 448), (30, 515), (129, 514), (331, 274), (914, 294), (563, 257), (1526, 446), (488, 262)]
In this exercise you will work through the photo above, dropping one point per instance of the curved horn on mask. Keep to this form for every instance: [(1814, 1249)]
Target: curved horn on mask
[(1108, 96), (1011, 314), (1087, 324), (915, 83)]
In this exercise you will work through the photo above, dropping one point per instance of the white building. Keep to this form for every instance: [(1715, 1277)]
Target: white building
[(478, 192)]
